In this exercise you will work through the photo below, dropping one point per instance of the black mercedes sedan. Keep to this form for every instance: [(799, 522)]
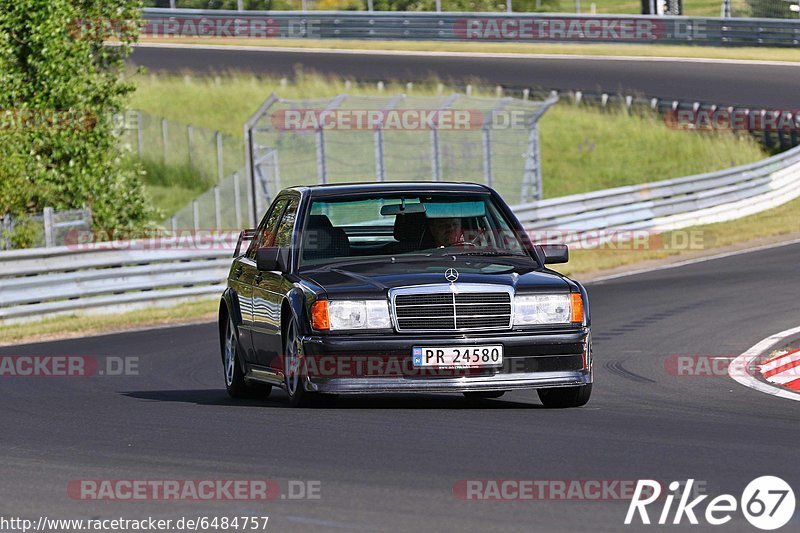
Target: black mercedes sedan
[(401, 287)]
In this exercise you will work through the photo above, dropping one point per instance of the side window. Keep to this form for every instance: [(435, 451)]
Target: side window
[(266, 231), (283, 237)]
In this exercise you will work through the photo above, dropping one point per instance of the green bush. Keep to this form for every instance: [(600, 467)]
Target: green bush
[(59, 87)]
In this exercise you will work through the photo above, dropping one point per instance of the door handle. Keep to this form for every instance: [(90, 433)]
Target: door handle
[(259, 277)]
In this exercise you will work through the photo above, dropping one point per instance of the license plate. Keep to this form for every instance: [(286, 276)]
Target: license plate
[(458, 356)]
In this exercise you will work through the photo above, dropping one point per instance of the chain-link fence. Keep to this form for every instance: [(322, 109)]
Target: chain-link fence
[(396, 138)]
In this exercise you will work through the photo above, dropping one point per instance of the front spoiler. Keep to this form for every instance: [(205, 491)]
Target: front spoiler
[(496, 382)]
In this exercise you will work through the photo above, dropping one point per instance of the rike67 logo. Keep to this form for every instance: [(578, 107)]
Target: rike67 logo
[(767, 503)]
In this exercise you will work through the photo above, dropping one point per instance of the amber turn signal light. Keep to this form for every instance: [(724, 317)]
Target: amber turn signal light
[(320, 319), (577, 307)]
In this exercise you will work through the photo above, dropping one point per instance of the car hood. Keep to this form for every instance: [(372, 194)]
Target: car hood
[(373, 279)]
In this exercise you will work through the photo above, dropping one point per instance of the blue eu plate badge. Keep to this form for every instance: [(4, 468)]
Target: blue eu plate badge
[(417, 353)]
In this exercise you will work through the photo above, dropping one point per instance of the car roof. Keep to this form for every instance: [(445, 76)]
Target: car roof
[(346, 189)]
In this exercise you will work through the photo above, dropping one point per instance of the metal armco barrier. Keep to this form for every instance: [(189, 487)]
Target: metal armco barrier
[(481, 27), (41, 282)]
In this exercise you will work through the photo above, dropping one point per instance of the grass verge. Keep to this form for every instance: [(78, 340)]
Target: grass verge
[(67, 326), (621, 50)]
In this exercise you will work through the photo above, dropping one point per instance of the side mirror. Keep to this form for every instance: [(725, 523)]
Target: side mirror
[(555, 253), (268, 259)]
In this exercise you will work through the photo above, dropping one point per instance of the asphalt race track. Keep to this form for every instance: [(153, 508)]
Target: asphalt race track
[(390, 463), (769, 86)]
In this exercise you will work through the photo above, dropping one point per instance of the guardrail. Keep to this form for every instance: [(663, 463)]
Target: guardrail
[(42, 282), (478, 27), (45, 282)]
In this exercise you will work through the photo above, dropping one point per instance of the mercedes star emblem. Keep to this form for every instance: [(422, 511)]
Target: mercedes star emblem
[(451, 275)]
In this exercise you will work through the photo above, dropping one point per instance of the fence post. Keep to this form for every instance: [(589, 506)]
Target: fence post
[(436, 163), (322, 170), (189, 143), (164, 137), (487, 155), (196, 215), (139, 135), (217, 209), (220, 169), (380, 169), (237, 200), (49, 240)]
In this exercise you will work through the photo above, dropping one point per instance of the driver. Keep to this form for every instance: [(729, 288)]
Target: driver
[(446, 231)]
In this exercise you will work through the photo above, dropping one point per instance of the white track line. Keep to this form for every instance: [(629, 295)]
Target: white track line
[(487, 55), (739, 367)]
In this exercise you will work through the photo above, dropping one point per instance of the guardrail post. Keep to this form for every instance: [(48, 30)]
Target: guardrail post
[(240, 5), (49, 238), (220, 169), (380, 169), (370, 5), (438, 6), (304, 5), (322, 169), (174, 223), (164, 138), (509, 6), (237, 200), (217, 209), (172, 4), (578, 7)]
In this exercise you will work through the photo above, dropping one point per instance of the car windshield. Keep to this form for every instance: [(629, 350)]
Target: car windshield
[(406, 225)]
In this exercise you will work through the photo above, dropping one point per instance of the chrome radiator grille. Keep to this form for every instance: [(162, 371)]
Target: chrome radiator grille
[(448, 309)]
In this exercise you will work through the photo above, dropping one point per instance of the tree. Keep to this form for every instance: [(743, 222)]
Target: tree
[(59, 88)]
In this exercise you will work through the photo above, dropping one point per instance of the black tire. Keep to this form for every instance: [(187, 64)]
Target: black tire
[(235, 383), (231, 367), (294, 376), (561, 397), (484, 395)]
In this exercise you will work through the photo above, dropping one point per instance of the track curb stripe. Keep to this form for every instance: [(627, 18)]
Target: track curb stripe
[(747, 370)]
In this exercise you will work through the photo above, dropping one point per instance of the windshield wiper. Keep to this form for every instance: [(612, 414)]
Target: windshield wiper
[(490, 253)]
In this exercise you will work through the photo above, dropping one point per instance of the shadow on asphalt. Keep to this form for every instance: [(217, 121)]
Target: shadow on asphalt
[(278, 399)]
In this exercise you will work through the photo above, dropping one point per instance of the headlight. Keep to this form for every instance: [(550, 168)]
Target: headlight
[(536, 309), (350, 314)]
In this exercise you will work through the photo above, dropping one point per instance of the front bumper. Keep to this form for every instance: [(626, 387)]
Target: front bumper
[(542, 359)]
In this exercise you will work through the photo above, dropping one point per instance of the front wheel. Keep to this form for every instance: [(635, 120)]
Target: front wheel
[(560, 397), (295, 378), (234, 377)]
